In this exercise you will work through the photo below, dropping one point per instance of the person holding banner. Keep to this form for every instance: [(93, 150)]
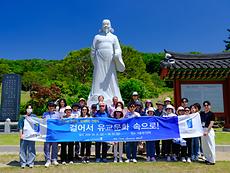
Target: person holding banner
[(167, 144), (64, 156), (103, 114), (150, 145), (159, 112), (185, 150), (85, 145), (27, 148), (51, 114), (208, 139), (195, 141), (131, 147), (118, 114)]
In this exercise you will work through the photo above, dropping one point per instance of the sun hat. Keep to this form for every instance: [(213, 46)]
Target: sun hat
[(169, 107), (167, 99), (68, 108), (150, 109), (180, 108)]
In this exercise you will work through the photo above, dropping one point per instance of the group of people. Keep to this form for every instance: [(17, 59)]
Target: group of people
[(165, 149)]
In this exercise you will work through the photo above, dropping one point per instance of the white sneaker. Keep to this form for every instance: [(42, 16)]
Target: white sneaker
[(183, 159), (188, 160), (134, 161), (47, 163), (71, 162), (64, 163), (120, 160), (148, 159), (153, 159), (115, 160), (174, 158), (55, 162), (31, 166), (168, 158), (127, 161)]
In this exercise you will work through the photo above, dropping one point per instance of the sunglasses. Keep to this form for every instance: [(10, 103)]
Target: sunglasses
[(186, 110), (206, 105), (102, 106)]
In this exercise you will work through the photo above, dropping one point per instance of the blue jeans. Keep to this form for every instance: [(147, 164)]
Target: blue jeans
[(195, 148), (54, 153), (131, 149), (27, 152), (150, 148)]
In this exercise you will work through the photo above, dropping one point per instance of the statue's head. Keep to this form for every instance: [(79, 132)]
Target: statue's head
[(106, 26)]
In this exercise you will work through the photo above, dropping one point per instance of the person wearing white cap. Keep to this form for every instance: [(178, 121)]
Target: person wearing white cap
[(64, 156), (167, 100), (180, 110), (186, 151), (169, 111), (168, 143), (150, 145), (118, 114)]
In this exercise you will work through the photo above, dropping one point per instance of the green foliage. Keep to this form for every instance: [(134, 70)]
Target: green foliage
[(73, 76), (41, 95), (4, 69), (78, 66), (152, 61), (130, 85)]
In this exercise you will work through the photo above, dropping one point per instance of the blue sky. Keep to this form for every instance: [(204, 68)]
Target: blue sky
[(52, 28)]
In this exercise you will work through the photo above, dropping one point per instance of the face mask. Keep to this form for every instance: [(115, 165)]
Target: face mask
[(29, 111)]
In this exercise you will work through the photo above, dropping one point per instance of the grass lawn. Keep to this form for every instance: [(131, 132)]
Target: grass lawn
[(12, 139), (222, 138), (140, 167)]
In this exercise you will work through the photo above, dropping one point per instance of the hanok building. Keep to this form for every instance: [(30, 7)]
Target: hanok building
[(200, 77)]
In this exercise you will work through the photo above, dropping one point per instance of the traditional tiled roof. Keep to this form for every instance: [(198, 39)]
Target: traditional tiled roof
[(195, 66)]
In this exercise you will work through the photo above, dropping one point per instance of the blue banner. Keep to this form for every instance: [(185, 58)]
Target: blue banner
[(111, 130)]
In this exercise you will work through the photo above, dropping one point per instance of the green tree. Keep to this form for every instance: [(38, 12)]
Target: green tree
[(78, 65), (4, 69)]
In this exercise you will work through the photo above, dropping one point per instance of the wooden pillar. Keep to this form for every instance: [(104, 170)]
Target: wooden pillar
[(177, 93), (226, 105)]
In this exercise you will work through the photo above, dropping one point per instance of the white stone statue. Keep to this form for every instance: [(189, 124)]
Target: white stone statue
[(107, 59)]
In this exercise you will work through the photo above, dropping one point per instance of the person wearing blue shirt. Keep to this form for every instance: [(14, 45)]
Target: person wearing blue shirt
[(51, 114), (102, 114), (131, 147), (27, 148)]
